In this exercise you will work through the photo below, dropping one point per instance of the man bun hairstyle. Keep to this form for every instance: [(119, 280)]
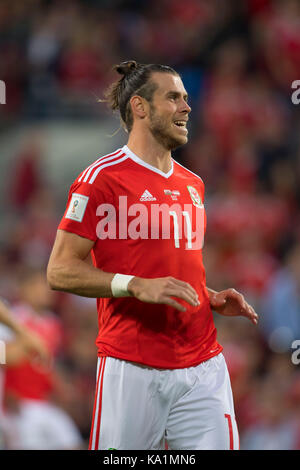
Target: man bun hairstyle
[(135, 80), (125, 68)]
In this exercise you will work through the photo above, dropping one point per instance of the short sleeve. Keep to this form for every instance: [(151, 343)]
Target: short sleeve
[(80, 216)]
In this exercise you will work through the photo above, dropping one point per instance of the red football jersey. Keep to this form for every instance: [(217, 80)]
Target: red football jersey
[(149, 224)]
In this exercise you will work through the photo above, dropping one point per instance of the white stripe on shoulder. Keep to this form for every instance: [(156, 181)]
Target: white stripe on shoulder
[(103, 160), (108, 156), (99, 168), (189, 171)]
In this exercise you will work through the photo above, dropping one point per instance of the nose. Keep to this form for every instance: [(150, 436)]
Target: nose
[(185, 108)]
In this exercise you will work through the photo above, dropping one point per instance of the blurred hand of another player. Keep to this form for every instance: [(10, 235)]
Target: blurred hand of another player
[(34, 347), (231, 303), (162, 291)]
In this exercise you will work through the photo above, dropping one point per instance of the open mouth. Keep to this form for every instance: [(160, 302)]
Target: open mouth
[(180, 123)]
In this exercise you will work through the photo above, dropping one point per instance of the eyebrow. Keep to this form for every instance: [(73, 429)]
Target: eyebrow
[(176, 94)]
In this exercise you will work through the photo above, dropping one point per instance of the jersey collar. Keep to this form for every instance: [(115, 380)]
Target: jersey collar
[(138, 160)]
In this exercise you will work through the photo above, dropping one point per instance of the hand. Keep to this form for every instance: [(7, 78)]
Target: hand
[(162, 290), (231, 303), (34, 346)]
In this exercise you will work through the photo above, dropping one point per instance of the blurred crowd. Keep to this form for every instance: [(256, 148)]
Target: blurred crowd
[(238, 61)]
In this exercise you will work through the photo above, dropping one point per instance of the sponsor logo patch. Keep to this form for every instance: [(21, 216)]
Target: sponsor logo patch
[(147, 196)]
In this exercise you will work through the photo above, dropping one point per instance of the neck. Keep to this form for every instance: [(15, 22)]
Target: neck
[(146, 147)]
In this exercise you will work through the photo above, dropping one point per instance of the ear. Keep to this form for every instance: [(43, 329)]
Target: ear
[(138, 106)]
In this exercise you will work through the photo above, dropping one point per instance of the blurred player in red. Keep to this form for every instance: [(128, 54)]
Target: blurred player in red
[(30, 420), (161, 374), (25, 344)]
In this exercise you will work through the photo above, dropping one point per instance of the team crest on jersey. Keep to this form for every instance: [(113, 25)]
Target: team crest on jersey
[(195, 196)]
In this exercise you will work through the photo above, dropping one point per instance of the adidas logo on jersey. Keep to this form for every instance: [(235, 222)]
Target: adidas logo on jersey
[(147, 196)]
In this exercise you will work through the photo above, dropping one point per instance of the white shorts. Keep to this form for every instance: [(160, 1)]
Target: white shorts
[(138, 407)]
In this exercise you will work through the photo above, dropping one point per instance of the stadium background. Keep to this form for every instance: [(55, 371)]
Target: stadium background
[(238, 60)]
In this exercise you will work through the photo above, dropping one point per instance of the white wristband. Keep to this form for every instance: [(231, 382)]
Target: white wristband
[(119, 285)]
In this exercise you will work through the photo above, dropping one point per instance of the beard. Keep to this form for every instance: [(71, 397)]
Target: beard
[(162, 133)]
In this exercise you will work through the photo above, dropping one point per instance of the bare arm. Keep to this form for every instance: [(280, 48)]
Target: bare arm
[(68, 270)]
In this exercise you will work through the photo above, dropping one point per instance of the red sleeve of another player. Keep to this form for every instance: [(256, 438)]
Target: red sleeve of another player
[(80, 214)]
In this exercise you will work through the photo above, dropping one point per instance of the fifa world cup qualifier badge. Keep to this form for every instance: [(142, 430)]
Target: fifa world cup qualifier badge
[(196, 199), (77, 207)]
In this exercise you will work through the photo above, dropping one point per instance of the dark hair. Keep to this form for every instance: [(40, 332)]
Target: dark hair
[(135, 80)]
